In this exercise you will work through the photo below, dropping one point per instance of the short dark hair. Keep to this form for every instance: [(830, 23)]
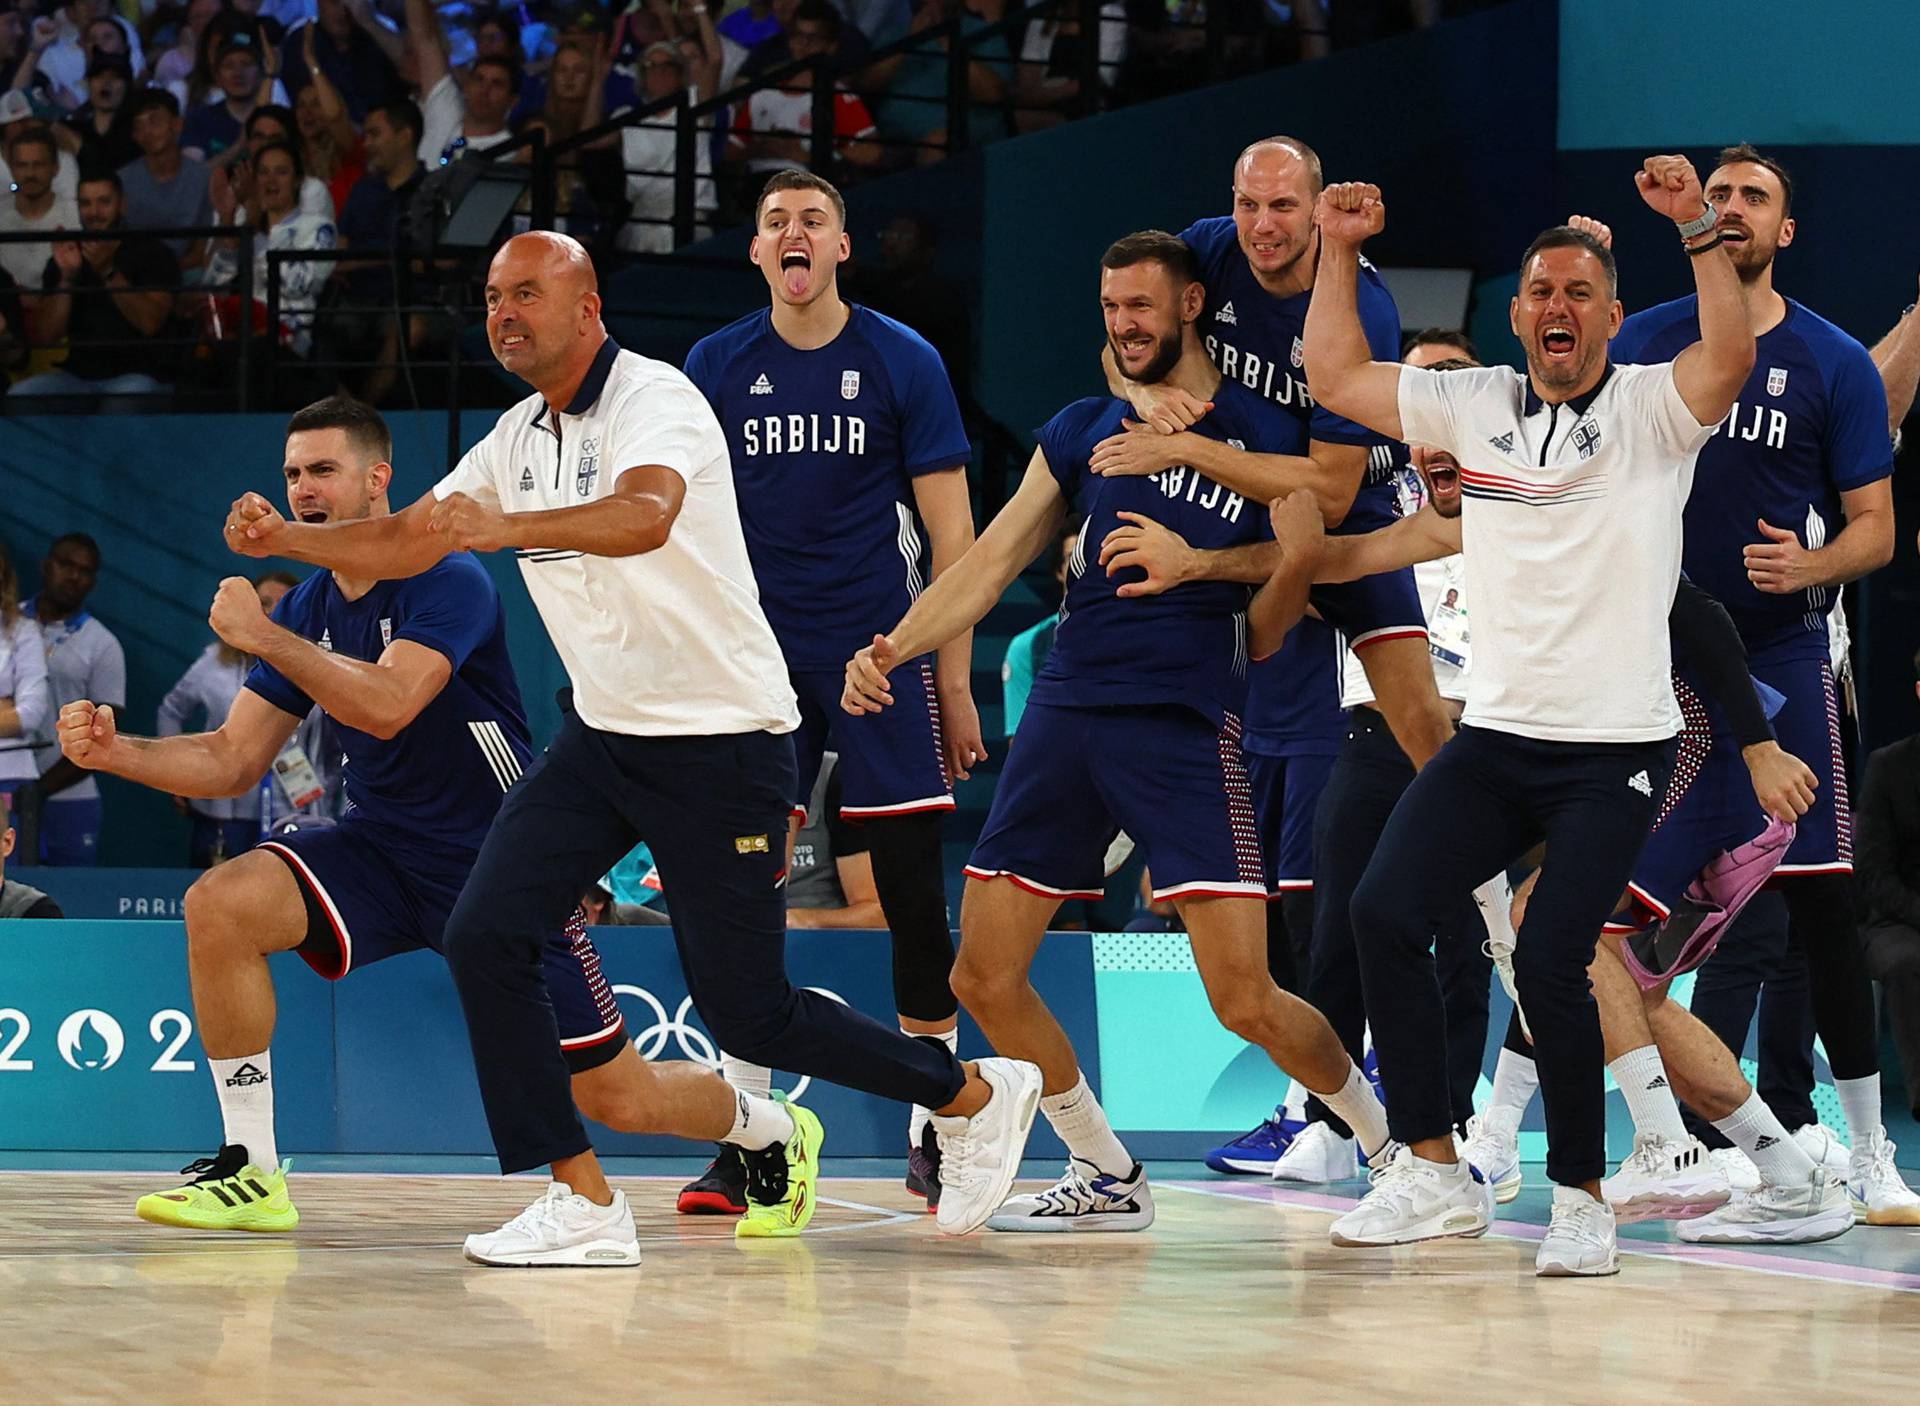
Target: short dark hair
[(1456, 363), (283, 115), (102, 176), (40, 136), (365, 427), (821, 13), (1441, 337), (403, 112), (278, 577), (1566, 237), (1154, 246), (1749, 153), (800, 180), (505, 65), (75, 539), (149, 98)]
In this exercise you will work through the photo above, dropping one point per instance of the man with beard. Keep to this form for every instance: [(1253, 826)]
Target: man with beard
[(846, 442), (1136, 713), (1794, 499), (1573, 478)]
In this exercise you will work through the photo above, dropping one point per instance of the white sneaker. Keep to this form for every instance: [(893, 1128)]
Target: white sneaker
[(1737, 1168), (1880, 1195), (1493, 1145), (1413, 1200), (1665, 1180), (1824, 1146), (1777, 1215), (1580, 1237), (980, 1156), (562, 1229), (1318, 1154), (1085, 1198)]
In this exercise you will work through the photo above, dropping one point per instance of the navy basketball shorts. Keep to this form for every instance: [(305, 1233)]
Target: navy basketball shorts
[(1374, 608), (1809, 727), (371, 895), (1286, 796), (1709, 806), (1164, 773), (891, 762)]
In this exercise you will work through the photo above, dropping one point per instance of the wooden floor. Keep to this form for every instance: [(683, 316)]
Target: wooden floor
[(1235, 1293)]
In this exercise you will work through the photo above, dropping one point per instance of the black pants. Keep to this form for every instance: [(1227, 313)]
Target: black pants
[(1368, 779), (1893, 956), (714, 812), (1481, 802)]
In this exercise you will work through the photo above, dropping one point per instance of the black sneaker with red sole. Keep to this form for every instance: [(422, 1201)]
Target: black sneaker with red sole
[(721, 1190)]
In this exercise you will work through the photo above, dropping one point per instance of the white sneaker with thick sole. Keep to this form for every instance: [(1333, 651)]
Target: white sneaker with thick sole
[(1318, 1154), (1665, 1180), (1737, 1168), (1493, 1145), (562, 1229), (980, 1156), (1880, 1195), (1413, 1200), (1777, 1215), (1580, 1237), (1824, 1146), (1085, 1198)]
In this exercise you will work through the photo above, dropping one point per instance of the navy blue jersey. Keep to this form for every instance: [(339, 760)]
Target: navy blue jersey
[(441, 778), (1811, 423), (1293, 696), (825, 447), (1255, 339), (1187, 645)]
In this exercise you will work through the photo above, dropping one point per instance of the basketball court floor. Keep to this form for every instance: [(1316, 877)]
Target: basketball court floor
[(1235, 1291)]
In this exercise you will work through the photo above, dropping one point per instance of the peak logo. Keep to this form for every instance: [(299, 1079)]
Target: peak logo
[(91, 1039)]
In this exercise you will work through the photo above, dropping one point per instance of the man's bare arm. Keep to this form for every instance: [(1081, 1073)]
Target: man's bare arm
[(228, 761), (1341, 372), (1424, 536)]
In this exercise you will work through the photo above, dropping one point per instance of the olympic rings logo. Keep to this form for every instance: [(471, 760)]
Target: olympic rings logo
[(693, 1042)]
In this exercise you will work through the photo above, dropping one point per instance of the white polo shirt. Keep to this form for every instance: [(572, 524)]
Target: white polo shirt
[(667, 643), (1570, 527)]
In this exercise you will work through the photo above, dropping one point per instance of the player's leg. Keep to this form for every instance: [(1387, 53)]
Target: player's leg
[(1387, 631), (1463, 817), (1783, 1034), (235, 916), (706, 805), (1726, 990)]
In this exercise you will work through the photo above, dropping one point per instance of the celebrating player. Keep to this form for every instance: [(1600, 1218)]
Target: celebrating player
[(845, 439), (1134, 720)]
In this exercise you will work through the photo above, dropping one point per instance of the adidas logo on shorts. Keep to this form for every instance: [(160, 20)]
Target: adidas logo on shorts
[(1640, 782)]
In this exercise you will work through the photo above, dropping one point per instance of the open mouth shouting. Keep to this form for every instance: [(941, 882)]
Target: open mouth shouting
[(1558, 341)]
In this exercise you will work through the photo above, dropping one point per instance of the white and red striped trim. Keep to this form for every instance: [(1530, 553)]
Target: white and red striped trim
[(1286, 886), (903, 808), (1656, 911), (1788, 871), (1206, 888), (1384, 633), (327, 905), (1033, 886)]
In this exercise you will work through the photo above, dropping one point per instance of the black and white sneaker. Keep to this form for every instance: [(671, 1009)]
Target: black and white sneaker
[(923, 1168), (1084, 1198)]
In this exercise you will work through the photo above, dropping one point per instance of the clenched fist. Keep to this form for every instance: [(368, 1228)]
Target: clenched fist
[(236, 615), (86, 734), (253, 526), (1670, 185), (1297, 525), (469, 525), (1350, 212), (1599, 229)]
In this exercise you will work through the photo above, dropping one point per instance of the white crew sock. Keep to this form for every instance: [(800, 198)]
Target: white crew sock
[(1294, 1105), (1082, 1124), (1356, 1105), (1643, 1079), (1515, 1080), (748, 1078), (1860, 1101), (245, 1089), (1755, 1131), (917, 1120), (1494, 899), (758, 1122)]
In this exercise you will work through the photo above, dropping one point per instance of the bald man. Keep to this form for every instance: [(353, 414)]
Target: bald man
[(612, 485)]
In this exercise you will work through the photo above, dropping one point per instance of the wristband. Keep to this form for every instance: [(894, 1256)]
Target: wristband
[(1713, 243), (1694, 228)]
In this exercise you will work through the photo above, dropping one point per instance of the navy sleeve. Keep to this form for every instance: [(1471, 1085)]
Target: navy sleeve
[(452, 608), (1635, 344), (295, 613), (1859, 445), (1065, 441), (1381, 321), (703, 369), (931, 435)]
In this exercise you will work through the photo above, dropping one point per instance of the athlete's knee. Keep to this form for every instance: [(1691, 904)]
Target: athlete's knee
[(235, 907), (1247, 1008), (983, 984), (619, 1096)]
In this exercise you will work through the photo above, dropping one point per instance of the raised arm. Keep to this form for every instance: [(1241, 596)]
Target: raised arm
[(333, 111), (1424, 536), (962, 596), (1710, 373), (228, 761), (427, 46), (376, 549), (390, 44), (1897, 357), (1341, 372)]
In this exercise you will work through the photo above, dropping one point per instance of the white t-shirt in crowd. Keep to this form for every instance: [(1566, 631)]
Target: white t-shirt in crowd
[(1570, 527), (84, 660), (28, 262), (441, 113), (671, 642)]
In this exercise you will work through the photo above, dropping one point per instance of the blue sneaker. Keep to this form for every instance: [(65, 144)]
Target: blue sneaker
[(1255, 1152)]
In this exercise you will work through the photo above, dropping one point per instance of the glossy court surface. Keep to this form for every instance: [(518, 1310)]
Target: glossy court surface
[(1235, 1290)]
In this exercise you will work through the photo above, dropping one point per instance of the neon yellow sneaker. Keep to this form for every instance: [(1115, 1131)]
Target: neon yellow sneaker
[(227, 1192), (780, 1181)]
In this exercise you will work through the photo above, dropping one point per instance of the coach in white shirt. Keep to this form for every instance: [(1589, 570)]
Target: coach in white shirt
[(612, 485), (1572, 479)]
